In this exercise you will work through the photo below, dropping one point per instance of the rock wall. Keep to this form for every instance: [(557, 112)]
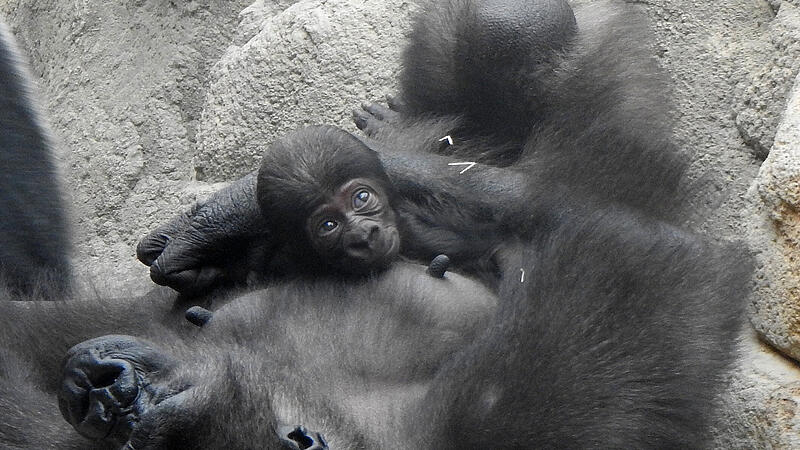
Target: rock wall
[(157, 102)]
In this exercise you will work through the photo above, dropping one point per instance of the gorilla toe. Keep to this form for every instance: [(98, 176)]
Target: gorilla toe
[(372, 117), (103, 389), (198, 315), (438, 266), (299, 438)]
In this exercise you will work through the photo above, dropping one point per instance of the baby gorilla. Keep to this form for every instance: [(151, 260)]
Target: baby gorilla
[(328, 200)]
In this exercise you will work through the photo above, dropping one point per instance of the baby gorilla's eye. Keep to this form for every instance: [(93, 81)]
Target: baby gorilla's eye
[(328, 226), (360, 199)]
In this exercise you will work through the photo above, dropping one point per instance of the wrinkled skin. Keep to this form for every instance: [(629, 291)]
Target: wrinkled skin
[(357, 228)]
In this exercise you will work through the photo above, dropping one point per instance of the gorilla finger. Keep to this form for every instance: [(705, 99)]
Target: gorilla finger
[(360, 119), (151, 246), (395, 103), (198, 315), (377, 111), (180, 253), (438, 266), (186, 281)]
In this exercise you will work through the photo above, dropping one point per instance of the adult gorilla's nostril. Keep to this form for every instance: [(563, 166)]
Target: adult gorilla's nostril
[(96, 392), (105, 375), (100, 393)]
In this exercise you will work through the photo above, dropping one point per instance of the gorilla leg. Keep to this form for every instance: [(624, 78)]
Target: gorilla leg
[(576, 101), (489, 61), (33, 238), (613, 333)]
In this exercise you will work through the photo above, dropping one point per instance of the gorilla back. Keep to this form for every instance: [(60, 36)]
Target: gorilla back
[(611, 326)]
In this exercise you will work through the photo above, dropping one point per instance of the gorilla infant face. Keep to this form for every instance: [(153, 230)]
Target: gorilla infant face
[(328, 199), (356, 228)]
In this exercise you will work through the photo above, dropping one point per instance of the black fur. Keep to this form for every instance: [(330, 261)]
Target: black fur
[(298, 168), (310, 177), (611, 325)]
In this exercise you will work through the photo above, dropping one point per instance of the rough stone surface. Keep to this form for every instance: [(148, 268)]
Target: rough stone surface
[(312, 64), (761, 408), (775, 233), (155, 101), (765, 91)]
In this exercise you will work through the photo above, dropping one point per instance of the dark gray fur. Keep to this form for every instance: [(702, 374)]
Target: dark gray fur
[(34, 247)]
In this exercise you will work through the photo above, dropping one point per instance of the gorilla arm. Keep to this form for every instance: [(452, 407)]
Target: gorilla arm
[(188, 252), (195, 250)]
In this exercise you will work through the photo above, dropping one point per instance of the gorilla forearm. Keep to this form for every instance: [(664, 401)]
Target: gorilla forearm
[(482, 190), (194, 249), (218, 239)]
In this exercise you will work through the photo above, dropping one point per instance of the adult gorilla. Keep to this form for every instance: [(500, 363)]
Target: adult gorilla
[(609, 327)]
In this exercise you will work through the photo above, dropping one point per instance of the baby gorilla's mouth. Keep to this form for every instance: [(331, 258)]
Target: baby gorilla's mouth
[(364, 258)]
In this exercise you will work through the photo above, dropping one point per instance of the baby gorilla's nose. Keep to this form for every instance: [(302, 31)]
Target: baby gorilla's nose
[(360, 243)]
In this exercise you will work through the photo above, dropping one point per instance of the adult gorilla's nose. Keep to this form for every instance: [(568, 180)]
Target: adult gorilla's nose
[(96, 392), (103, 392)]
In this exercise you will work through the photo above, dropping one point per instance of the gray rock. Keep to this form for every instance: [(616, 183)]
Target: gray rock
[(124, 83), (764, 94), (761, 408), (775, 233), (310, 64)]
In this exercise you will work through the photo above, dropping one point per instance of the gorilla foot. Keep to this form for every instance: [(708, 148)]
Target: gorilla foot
[(106, 388), (298, 438), (372, 117)]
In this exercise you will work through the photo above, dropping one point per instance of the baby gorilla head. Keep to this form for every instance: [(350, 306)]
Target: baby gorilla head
[(327, 196)]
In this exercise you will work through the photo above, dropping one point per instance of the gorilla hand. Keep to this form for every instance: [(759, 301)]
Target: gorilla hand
[(220, 239)]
